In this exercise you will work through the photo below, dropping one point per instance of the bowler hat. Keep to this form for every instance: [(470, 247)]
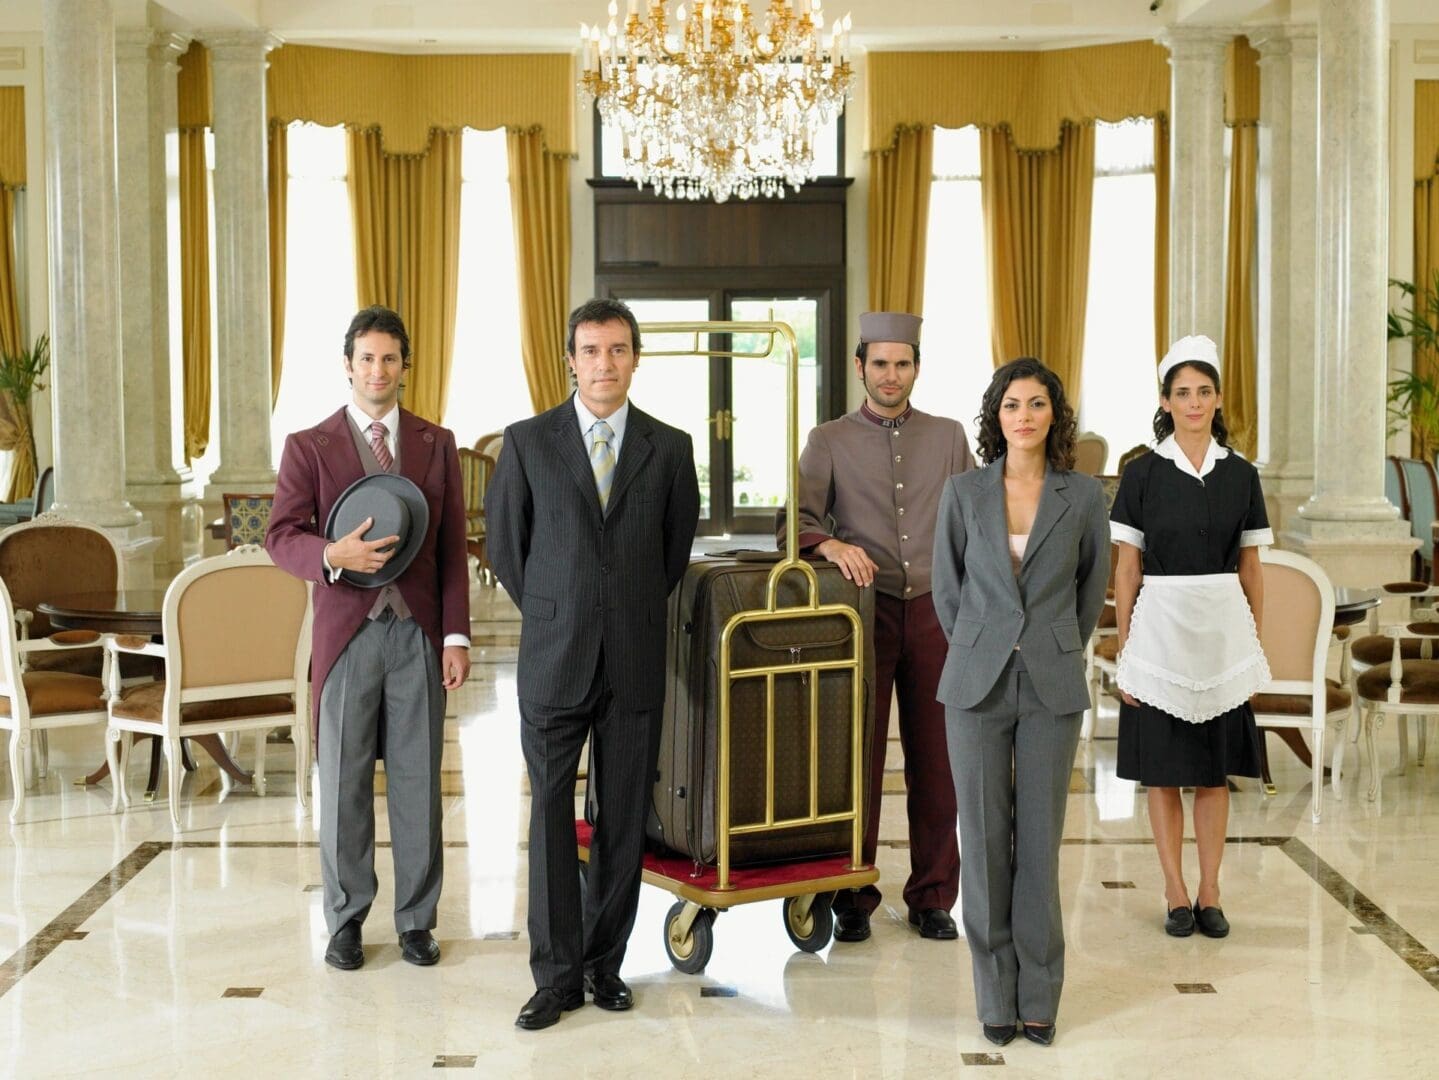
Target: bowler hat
[(398, 508)]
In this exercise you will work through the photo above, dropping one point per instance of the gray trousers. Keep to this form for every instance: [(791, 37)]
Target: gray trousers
[(1011, 761), (388, 670)]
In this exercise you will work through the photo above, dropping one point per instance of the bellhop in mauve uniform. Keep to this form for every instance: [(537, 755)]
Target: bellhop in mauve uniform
[(869, 493)]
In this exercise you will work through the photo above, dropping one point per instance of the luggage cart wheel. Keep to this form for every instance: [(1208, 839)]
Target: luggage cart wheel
[(809, 921), (691, 952)]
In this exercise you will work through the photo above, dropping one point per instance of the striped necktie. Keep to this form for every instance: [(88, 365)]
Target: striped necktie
[(602, 460), (378, 445)]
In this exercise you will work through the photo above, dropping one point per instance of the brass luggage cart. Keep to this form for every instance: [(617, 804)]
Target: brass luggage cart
[(806, 886)]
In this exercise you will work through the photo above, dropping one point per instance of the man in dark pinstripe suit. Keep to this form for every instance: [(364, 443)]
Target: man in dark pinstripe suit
[(590, 515)]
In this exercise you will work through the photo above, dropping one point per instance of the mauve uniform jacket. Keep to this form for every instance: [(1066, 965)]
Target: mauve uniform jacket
[(317, 466), (880, 487)]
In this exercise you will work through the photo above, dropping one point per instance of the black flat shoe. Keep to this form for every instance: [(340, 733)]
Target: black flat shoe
[(344, 951), (935, 924), (419, 947), (1211, 921), (999, 1034), (610, 991), (851, 924), (1043, 1034), (547, 1006), (1179, 922)]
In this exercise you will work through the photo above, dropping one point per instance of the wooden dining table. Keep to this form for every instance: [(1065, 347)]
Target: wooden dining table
[(130, 611)]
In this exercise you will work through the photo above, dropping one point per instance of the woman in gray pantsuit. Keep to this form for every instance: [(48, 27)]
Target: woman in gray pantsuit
[(1021, 561)]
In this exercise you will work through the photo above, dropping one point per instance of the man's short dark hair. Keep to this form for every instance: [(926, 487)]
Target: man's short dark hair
[(862, 351), (603, 310), (382, 319)]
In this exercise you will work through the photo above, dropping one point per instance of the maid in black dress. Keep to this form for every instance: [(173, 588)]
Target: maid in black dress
[(1189, 520)]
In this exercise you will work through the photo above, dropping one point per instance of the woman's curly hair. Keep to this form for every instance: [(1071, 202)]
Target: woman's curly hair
[(1058, 445)]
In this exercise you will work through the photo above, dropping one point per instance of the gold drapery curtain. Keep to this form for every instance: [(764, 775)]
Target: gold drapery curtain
[(540, 212), (14, 424), (408, 96), (1032, 93), (1426, 204), (1240, 374), (899, 187), (1037, 210), (193, 90), (278, 194), (1161, 237), (406, 212)]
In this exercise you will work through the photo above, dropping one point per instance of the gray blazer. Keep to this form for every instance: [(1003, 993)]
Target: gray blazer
[(588, 581), (1049, 610)]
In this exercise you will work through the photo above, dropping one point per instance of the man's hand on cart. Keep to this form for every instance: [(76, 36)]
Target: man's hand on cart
[(851, 559)]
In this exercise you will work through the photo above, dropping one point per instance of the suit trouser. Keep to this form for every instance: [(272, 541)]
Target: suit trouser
[(389, 668), (567, 939), (1012, 760), (909, 653)]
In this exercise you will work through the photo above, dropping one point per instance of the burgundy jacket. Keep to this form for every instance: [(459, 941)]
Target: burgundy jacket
[(319, 464)]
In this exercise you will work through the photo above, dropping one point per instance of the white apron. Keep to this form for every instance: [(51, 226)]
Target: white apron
[(1193, 650)]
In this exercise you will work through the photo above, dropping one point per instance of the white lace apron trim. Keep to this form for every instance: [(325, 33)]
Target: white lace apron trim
[(1193, 650)]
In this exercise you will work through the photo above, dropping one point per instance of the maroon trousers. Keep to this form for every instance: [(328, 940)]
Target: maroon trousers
[(909, 652)]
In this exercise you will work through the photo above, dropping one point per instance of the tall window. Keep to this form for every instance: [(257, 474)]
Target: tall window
[(1117, 396), (956, 360), (320, 282), (488, 388)]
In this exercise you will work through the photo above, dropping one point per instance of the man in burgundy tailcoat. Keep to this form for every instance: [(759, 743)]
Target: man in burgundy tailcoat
[(384, 657)]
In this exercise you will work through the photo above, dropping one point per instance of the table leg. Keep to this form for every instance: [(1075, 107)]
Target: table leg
[(216, 748)]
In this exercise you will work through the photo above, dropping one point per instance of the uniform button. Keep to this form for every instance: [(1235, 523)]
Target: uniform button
[(906, 564), (901, 511), (1020, 614), (898, 457), (1203, 532), (909, 588), (905, 537), (605, 569), (898, 487), (895, 433)]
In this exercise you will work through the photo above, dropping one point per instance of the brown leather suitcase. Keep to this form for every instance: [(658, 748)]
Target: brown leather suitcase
[(685, 804)]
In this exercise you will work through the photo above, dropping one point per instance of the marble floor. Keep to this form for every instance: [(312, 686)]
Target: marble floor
[(126, 949)]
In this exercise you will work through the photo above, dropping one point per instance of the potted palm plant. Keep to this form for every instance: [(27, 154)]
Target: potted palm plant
[(1414, 396), (19, 379)]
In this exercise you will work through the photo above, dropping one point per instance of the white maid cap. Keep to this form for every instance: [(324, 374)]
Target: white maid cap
[(1193, 347)]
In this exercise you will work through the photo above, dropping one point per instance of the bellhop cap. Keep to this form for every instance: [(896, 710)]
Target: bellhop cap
[(889, 326), (1194, 347), (398, 507)]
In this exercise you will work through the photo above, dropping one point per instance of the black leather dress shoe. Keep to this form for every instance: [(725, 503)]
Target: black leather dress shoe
[(419, 947), (547, 1006), (344, 951), (934, 923), (610, 991), (1039, 1033), (999, 1034), (851, 924), (1179, 922), (1211, 921)]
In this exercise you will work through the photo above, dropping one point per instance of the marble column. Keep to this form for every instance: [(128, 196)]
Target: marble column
[(85, 380), (146, 68), (1196, 200), (242, 245), (1347, 524), (1288, 268)]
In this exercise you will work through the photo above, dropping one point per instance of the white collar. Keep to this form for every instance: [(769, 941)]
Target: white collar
[(616, 419), (363, 420), (1168, 448)]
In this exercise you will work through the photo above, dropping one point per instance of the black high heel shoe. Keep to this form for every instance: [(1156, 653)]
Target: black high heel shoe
[(999, 1034), (1039, 1033)]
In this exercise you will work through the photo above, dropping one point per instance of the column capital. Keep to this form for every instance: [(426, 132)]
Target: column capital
[(236, 46), (1197, 43), (1278, 41), (146, 43)]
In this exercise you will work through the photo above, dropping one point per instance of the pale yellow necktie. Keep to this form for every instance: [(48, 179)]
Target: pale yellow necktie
[(602, 460)]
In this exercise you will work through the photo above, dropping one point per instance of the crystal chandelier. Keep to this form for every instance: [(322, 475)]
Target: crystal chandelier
[(717, 107)]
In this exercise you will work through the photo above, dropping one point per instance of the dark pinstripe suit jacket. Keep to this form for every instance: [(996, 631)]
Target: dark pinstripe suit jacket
[(585, 579)]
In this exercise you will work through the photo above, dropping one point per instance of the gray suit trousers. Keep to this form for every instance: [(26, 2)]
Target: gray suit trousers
[(389, 669), (1011, 760)]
